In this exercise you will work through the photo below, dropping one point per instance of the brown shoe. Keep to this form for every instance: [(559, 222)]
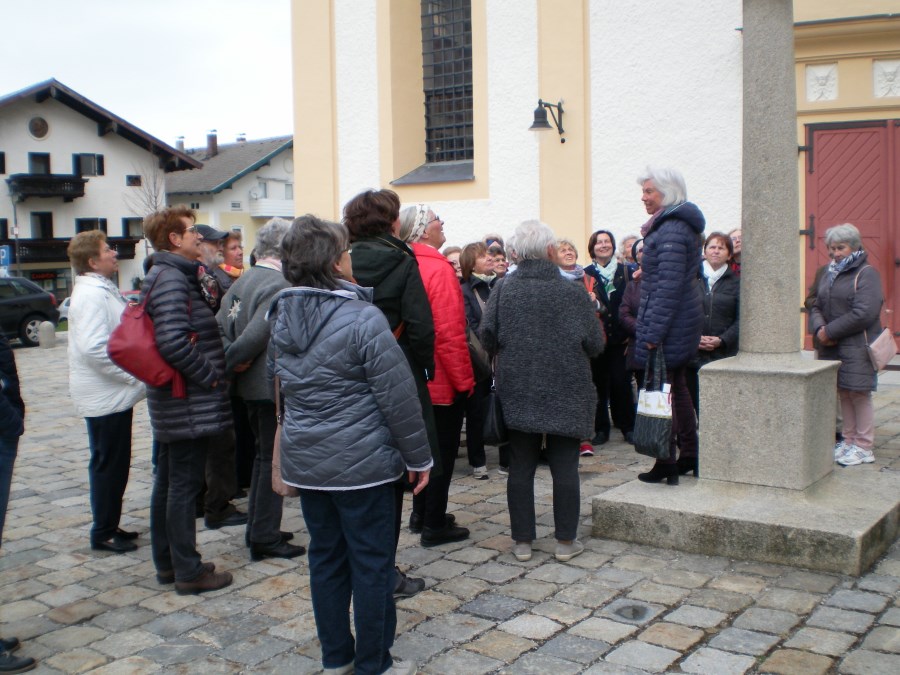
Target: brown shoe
[(168, 576), (207, 581)]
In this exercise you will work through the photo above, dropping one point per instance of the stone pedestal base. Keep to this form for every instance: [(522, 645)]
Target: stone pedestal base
[(841, 524), (767, 419)]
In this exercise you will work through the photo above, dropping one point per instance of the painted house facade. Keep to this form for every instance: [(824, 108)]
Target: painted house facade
[(70, 165)]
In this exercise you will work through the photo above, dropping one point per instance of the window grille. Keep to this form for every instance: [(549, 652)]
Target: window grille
[(447, 79)]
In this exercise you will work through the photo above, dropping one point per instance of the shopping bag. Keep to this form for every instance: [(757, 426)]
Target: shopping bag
[(653, 423)]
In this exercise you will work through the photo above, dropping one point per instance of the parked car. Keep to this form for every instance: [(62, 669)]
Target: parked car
[(64, 309), (23, 307), (132, 296)]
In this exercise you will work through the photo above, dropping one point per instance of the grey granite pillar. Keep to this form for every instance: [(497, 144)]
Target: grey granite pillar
[(767, 490)]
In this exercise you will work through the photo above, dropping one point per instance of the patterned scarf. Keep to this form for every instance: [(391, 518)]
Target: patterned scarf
[(607, 273), (233, 272), (836, 268), (209, 287)]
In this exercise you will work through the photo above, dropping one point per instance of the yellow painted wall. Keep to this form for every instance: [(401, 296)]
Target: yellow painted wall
[(815, 10), (401, 102), (315, 109), (564, 73)]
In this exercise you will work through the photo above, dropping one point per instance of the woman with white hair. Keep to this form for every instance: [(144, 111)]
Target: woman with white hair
[(453, 379), (245, 335), (844, 320), (670, 316), (526, 312)]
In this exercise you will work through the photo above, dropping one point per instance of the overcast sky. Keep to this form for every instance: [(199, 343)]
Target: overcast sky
[(171, 67)]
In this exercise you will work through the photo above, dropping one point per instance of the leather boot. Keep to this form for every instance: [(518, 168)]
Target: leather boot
[(688, 464), (660, 472)]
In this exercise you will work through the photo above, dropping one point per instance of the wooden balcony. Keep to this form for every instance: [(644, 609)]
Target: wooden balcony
[(54, 250), (25, 185)]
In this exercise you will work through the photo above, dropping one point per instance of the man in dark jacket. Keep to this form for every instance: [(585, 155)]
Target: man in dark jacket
[(12, 418), (670, 317)]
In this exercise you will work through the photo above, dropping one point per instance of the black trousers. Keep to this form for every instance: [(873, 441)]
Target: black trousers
[(109, 437), (431, 503), (221, 484), (614, 393)]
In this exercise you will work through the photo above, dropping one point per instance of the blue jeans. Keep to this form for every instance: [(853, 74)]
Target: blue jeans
[(173, 523), (9, 447), (351, 553)]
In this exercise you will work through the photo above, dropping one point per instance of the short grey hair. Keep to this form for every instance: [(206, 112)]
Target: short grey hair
[(567, 242), (844, 234), (668, 181), (310, 250), (512, 253), (268, 239), (532, 239)]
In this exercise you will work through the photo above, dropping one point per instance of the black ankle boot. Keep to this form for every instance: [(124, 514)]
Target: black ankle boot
[(688, 464), (660, 472)]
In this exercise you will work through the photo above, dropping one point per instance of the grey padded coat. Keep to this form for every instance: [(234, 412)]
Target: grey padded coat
[(352, 418), (847, 316)]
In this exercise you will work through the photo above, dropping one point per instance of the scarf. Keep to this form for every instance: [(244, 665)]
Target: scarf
[(233, 272), (645, 228), (836, 268), (712, 276), (269, 263), (487, 278), (209, 287), (573, 275), (607, 274)]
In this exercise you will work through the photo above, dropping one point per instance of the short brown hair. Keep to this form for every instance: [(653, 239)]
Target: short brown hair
[(724, 238), (158, 226), (469, 256), (371, 213), (83, 247)]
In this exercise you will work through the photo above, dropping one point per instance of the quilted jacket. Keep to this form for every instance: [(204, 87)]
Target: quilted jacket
[(721, 316), (452, 365), (179, 311), (351, 415), (847, 316), (544, 330), (671, 310)]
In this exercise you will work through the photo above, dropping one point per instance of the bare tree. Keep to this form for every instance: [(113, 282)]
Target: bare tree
[(150, 195)]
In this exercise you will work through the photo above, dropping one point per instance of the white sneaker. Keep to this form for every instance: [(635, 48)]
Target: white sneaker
[(347, 669), (403, 668), (856, 455), (840, 449), (522, 551), (480, 473)]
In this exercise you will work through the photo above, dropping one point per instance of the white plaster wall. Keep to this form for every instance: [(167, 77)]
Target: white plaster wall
[(356, 69), (666, 88)]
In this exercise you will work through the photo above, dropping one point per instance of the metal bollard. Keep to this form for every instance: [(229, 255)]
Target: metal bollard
[(47, 335)]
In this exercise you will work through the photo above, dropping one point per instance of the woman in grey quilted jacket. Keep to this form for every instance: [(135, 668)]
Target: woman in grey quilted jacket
[(352, 425)]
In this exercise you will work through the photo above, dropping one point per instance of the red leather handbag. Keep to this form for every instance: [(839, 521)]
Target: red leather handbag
[(132, 347)]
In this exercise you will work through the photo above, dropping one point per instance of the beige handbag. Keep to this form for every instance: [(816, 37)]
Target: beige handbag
[(279, 487), (882, 350)]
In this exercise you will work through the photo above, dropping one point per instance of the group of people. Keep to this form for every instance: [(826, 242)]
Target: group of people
[(345, 351)]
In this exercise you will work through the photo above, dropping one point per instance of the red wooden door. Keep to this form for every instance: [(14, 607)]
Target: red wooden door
[(853, 176)]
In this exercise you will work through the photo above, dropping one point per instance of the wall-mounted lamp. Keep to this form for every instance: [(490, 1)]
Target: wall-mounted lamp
[(540, 118)]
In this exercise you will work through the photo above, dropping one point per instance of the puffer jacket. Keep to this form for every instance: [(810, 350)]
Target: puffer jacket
[(848, 316), (97, 386), (671, 310), (179, 311), (351, 415), (628, 310), (452, 364), (544, 331), (721, 316)]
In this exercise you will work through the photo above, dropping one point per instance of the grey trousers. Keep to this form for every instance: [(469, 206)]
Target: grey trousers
[(562, 455)]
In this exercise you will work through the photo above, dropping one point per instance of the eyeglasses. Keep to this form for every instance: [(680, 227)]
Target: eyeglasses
[(192, 229), (436, 219)]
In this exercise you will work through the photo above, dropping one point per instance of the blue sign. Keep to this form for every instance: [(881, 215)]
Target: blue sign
[(5, 256)]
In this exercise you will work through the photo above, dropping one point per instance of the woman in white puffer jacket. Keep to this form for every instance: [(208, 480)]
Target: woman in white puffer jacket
[(102, 393)]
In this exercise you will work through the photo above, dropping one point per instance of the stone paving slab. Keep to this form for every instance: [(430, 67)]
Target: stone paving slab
[(482, 612)]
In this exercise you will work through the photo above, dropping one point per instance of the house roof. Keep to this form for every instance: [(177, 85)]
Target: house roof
[(232, 162), (170, 158)]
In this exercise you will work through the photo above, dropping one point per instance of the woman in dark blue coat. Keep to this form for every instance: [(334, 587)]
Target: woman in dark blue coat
[(670, 315)]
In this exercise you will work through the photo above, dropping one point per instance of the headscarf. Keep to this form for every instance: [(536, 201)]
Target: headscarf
[(420, 222), (836, 268)]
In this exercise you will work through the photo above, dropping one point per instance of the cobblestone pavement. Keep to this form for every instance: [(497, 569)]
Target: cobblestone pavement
[(618, 608)]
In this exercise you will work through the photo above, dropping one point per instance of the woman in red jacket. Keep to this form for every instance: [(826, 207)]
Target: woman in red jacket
[(453, 380)]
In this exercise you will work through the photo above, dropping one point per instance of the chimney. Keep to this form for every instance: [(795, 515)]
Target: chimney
[(179, 144), (212, 144), (241, 138)]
